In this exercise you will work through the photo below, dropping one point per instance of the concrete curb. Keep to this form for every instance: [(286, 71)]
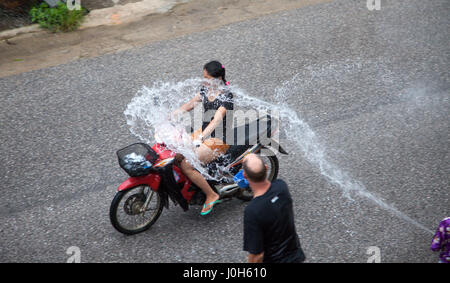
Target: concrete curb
[(8, 34), (116, 15)]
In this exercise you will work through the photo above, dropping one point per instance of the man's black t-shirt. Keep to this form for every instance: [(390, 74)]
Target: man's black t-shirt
[(269, 226)]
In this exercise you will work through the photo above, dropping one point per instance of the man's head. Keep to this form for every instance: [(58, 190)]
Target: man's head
[(254, 169)]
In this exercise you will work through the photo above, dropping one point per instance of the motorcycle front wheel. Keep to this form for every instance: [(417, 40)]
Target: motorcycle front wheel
[(135, 210)]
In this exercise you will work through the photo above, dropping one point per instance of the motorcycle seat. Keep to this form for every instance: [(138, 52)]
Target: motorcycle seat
[(254, 132)]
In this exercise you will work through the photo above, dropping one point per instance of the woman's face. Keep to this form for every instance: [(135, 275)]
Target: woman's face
[(210, 80), (206, 75)]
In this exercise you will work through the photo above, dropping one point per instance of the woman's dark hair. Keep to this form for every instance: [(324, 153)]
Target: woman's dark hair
[(215, 69)]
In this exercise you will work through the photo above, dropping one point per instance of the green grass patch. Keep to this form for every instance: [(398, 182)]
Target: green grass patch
[(57, 19)]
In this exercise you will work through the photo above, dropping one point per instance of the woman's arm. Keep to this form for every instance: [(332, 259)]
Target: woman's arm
[(218, 117), (188, 106)]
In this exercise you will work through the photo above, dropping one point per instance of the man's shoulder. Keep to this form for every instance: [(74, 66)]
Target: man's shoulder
[(275, 186), (251, 206), (280, 188), (279, 183), (255, 206)]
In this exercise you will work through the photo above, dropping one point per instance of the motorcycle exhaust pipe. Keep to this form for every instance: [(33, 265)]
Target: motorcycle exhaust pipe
[(228, 190)]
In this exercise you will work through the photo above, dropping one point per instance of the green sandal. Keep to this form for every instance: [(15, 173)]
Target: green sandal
[(206, 205)]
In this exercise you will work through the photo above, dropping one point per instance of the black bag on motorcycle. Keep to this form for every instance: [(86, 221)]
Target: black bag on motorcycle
[(137, 159)]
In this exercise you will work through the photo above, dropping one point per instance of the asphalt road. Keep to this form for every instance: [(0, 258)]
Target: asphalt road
[(372, 85)]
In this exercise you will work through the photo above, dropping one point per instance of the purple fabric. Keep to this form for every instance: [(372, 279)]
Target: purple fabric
[(441, 240)]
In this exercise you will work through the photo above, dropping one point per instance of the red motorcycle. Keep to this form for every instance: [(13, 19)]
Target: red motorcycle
[(155, 177)]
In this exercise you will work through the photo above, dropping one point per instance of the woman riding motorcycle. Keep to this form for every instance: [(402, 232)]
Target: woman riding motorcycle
[(218, 100)]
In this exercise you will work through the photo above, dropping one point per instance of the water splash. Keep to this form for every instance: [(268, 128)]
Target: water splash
[(299, 133), (148, 113), (151, 118)]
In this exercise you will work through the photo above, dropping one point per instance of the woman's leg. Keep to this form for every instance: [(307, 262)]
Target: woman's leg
[(210, 149), (205, 154), (198, 179)]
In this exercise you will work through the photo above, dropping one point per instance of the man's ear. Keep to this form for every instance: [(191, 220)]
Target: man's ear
[(243, 174)]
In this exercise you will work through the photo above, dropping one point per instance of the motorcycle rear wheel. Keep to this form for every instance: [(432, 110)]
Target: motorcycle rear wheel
[(128, 206), (272, 173)]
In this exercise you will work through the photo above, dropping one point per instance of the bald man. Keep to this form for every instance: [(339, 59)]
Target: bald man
[(269, 229)]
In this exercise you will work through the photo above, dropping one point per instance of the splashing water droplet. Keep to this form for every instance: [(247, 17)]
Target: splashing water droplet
[(149, 112)]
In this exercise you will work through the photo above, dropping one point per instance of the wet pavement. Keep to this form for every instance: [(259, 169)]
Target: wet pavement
[(373, 86)]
